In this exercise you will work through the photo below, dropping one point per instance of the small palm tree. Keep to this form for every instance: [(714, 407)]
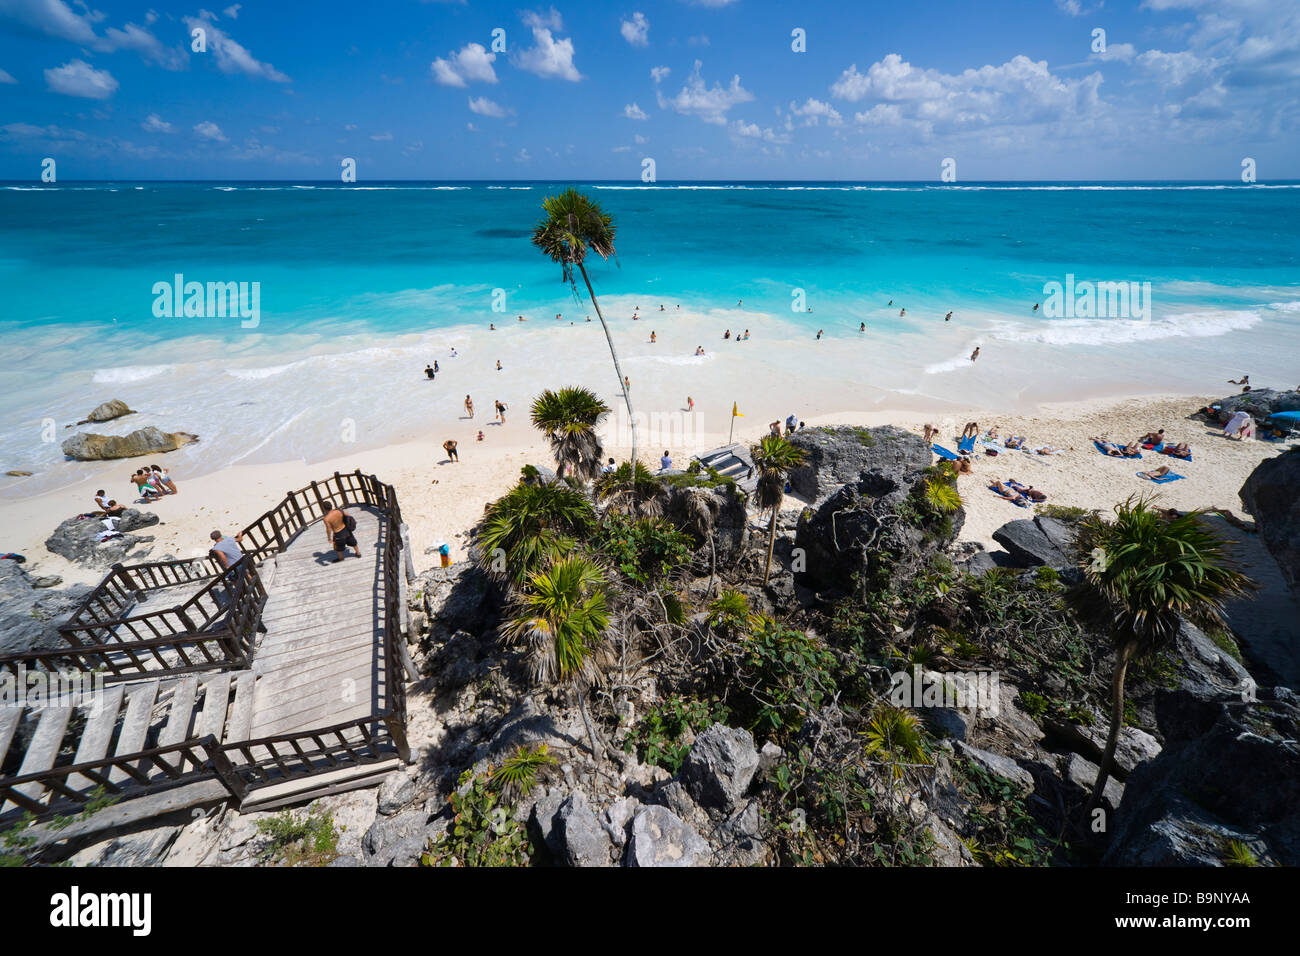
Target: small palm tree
[(568, 417), (573, 226), (702, 508), (632, 490), (773, 456), (529, 525), (1142, 574), (560, 620), (730, 612)]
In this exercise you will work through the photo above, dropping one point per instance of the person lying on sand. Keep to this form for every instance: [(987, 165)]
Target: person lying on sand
[(991, 434), (1009, 493), (109, 507), (1015, 441), (1050, 450), (1152, 438), (1154, 473), (1115, 450), (1029, 491), (1181, 450)]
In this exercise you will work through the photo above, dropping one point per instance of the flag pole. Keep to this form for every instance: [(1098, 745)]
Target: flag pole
[(731, 431)]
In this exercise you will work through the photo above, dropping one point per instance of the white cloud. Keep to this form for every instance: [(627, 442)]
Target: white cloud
[(632, 111), (472, 64), (56, 19), (1171, 69), (550, 57), (230, 56), (153, 123), (384, 137), (233, 11), (523, 157), (209, 130), (753, 131), (814, 111), (641, 140), (657, 73), (79, 78), (1123, 52), (637, 30), (622, 149), (710, 105), (485, 107), (5, 77), (472, 128)]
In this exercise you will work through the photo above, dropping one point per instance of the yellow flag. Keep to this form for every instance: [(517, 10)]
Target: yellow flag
[(736, 412)]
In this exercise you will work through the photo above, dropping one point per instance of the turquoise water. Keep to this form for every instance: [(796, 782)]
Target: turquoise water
[(342, 265)]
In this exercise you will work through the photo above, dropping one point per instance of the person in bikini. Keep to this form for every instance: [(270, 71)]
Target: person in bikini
[(339, 531), (1154, 473)]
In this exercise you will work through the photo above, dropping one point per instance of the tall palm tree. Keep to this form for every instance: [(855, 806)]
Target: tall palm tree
[(773, 456), (631, 490), (568, 417), (1143, 572), (529, 525), (560, 620), (573, 226)]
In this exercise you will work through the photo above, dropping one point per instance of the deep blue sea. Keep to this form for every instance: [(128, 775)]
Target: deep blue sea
[(341, 267)]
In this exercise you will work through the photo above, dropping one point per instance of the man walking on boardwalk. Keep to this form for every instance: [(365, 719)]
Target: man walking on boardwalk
[(339, 530)]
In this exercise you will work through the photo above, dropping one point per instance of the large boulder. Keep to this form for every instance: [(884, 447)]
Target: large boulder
[(660, 839), (1259, 403), (1032, 542), (74, 539), (1272, 496), (30, 616), (578, 835), (458, 598), (1134, 746), (1230, 771), (720, 766), (1204, 667), (835, 456), (113, 408), (88, 446)]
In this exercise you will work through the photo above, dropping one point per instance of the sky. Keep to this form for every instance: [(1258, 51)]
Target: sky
[(701, 89)]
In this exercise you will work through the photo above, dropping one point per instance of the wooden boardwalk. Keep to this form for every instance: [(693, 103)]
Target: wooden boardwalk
[(321, 661)]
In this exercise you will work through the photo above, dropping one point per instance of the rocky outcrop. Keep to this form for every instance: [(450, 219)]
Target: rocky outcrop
[(720, 766), (30, 615), (1272, 496), (113, 408), (1259, 403), (74, 539), (88, 446), (730, 524), (1032, 542), (659, 838), (1230, 771), (841, 455), (458, 598)]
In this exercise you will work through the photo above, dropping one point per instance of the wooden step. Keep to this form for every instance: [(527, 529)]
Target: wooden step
[(10, 717), (241, 711), (180, 714), (135, 725), (101, 721), (44, 748), (216, 702), (318, 785)]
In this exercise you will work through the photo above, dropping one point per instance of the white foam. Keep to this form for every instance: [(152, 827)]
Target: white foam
[(1118, 331), (128, 373)]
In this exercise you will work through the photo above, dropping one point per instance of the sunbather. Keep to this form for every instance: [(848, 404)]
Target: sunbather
[(1015, 441), (1181, 450), (1153, 438), (1154, 473), (1116, 450), (1009, 493), (1049, 450), (1029, 491)]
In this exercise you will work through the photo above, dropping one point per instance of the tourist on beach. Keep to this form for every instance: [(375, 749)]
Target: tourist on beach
[(661, 306), (972, 428), (1115, 450), (746, 335), (964, 465), (435, 367), (501, 411), (339, 530), (1154, 473), (491, 327), (652, 337), (690, 404), (791, 423), (110, 508), (498, 365), (469, 406), (666, 461), (480, 434), (775, 429), (627, 382), (948, 317), (976, 354), (930, 432), (891, 301), (609, 467), (1029, 491), (449, 446), (227, 551), (862, 326), (902, 312), (1245, 380), (160, 476), (727, 334), (453, 351), (1007, 492), (146, 490), (428, 372), (819, 335), (699, 350), (1153, 438)]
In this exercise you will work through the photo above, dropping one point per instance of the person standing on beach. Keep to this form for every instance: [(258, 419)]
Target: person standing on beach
[(775, 429), (627, 382), (449, 446), (428, 372), (501, 411), (339, 530), (498, 365), (469, 406), (976, 354), (972, 428), (819, 335), (690, 404), (652, 337), (930, 432), (435, 367), (948, 317)]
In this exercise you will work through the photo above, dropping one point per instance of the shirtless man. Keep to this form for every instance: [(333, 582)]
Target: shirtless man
[(338, 531), (930, 432), (1152, 438), (972, 428), (449, 446)]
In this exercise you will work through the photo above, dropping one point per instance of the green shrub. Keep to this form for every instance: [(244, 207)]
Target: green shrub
[(644, 549), (482, 832), (658, 736), (299, 841)]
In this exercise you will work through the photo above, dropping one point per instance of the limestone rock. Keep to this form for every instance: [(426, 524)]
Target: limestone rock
[(660, 839), (88, 446), (113, 408), (719, 766)]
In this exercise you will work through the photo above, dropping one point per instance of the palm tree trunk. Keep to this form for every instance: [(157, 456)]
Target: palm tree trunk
[(713, 564), (618, 369), (1116, 722), (771, 544), (597, 751)]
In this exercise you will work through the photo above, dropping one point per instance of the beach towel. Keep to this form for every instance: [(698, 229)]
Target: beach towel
[(1020, 502), (944, 453), (1102, 448), (1186, 457), (966, 445), (1160, 481)]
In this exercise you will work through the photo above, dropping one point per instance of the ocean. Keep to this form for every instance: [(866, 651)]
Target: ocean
[(359, 285)]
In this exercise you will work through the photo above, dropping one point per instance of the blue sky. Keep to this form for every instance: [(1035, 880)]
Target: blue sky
[(710, 89)]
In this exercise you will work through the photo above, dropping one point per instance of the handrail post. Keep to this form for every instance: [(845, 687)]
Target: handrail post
[(223, 768)]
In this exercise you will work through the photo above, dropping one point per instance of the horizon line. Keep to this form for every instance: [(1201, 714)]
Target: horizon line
[(552, 179)]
